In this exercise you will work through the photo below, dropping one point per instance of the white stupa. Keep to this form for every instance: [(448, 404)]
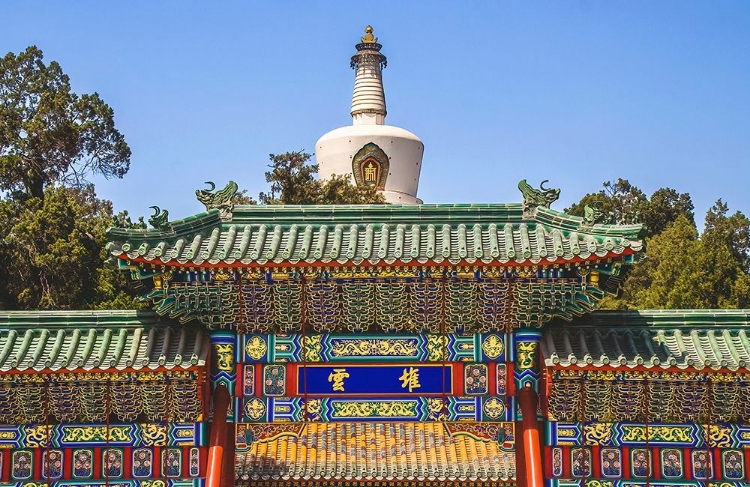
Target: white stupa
[(373, 153)]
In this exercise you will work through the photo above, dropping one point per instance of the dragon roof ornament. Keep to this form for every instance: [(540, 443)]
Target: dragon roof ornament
[(222, 200), (533, 198)]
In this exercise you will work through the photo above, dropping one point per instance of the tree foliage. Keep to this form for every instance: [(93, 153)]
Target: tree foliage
[(628, 204), (48, 134), (293, 182), (680, 267), (52, 252), (52, 225)]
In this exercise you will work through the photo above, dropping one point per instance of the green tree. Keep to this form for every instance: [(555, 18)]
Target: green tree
[(48, 134), (628, 204), (682, 270), (293, 182), (53, 252)]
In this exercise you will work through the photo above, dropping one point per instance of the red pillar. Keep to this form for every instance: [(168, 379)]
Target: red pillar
[(215, 477), (532, 449)]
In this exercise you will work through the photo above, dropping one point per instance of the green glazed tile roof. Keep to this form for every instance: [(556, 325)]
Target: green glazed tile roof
[(695, 339), (96, 341), (374, 234)]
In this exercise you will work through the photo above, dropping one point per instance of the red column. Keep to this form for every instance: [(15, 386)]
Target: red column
[(218, 439), (532, 450)]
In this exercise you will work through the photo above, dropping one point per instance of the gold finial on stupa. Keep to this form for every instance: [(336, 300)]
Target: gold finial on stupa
[(369, 38)]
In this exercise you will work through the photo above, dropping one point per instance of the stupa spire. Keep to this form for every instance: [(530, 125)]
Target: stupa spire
[(368, 98)]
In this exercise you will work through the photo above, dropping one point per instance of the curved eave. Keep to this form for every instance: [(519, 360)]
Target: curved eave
[(684, 348), (106, 349), (438, 262)]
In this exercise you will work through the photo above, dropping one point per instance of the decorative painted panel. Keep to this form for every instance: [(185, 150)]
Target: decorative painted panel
[(611, 462), (402, 348), (171, 462), (117, 435), (581, 462), (274, 380), (634, 434), (248, 380), (640, 462), (23, 464), (475, 379), (195, 462), (112, 463), (733, 464), (557, 462), (671, 463), (52, 464), (502, 379), (83, 463), (453, 408), (143, 462), (701, 463)]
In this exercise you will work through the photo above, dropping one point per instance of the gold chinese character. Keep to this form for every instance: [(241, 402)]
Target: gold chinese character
[(410, 379), (337, 377)]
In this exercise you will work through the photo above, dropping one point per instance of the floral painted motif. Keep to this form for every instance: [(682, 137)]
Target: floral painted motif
[(581, 462), (112, 465), (502, 379), (195, 463), (611, 462), (274, 380), (557, 462), (22, 464), (733, 465), (640, 461), (52, 461), (82, 464), (171, 462), (475, 379), (671, 462), (249, 380), (701, 464), (143, 461)]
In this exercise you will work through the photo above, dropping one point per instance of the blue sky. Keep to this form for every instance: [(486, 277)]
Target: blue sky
[(577, 92)]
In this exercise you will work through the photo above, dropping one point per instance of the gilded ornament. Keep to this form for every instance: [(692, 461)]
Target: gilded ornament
[(597, 434), (493, 408), (224, 356), (526, 355), (255, 409), (313, 348), (369, 38), (256, 348), (154, 434), (36, 436), (436, 348), (374, 409), (375, 347), (493, 346)]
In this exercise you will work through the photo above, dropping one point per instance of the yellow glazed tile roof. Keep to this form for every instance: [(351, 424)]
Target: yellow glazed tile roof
[(376, 451)]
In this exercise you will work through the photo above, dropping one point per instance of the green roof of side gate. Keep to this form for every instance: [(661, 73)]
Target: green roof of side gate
[(375, 234), (97, 341), (684, 339)]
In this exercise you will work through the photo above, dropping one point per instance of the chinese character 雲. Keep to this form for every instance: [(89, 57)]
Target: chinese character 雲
[(337, 377)]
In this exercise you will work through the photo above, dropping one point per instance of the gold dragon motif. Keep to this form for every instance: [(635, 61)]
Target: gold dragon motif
[(374, 409), (375, 347)]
